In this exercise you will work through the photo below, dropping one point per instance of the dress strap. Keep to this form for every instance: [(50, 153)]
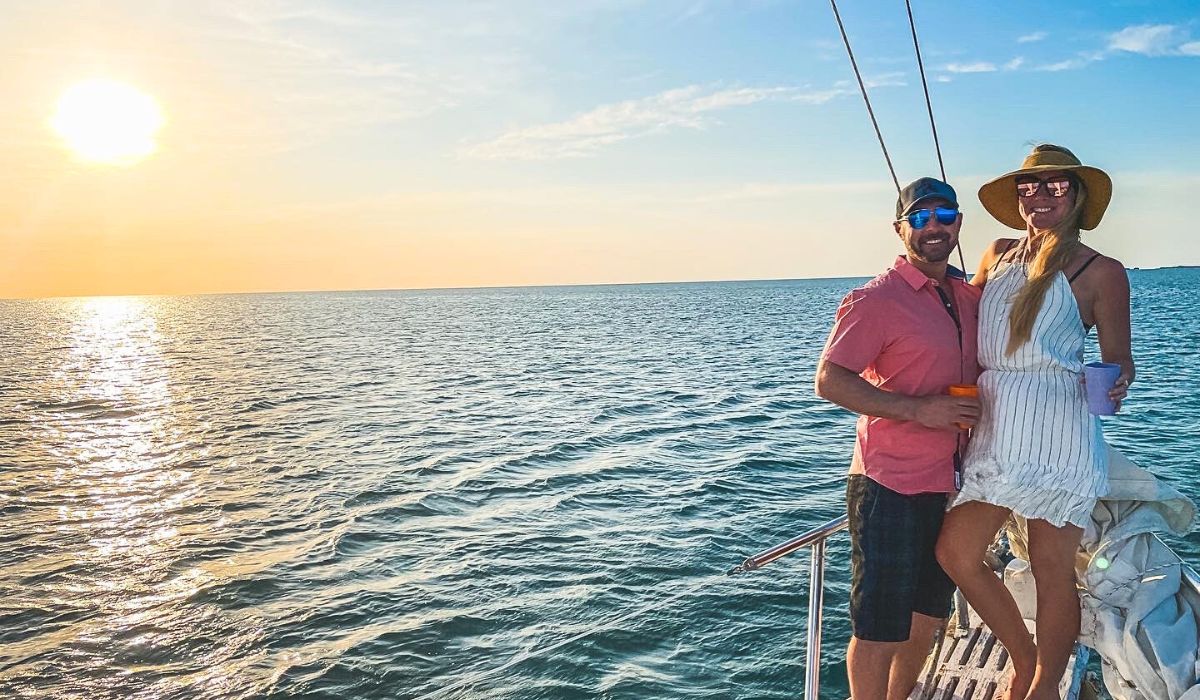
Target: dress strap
[(1085, 266), (1011, 244)]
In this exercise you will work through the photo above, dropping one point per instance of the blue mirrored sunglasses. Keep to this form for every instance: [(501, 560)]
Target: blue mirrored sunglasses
[(918, 218)]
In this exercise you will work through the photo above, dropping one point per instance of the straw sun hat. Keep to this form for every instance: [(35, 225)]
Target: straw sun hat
[(999, 196)]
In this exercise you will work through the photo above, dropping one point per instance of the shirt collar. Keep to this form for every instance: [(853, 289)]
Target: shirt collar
[(916, 279)]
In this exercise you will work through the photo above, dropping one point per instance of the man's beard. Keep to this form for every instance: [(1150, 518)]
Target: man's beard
[(934, 255)]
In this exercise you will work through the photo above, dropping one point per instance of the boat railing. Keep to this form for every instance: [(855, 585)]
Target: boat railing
[(1192, 578), (815, 539)]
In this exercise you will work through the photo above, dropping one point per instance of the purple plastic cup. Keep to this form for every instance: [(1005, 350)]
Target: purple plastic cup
[(1100, 377)]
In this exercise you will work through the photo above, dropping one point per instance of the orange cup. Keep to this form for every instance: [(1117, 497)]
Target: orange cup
[(963, 390)]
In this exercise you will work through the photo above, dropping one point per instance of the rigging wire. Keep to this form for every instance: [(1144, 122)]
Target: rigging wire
[(937, 146), (871, 112), (863, 89), (924, 84)]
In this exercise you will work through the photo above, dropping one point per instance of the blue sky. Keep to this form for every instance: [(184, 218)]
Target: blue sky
[(411, 144)]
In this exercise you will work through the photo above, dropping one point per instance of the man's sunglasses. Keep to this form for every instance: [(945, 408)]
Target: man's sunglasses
[(1029, 186), (918, 218)]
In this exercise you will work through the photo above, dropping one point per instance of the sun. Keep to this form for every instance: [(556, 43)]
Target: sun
[(108, 122)]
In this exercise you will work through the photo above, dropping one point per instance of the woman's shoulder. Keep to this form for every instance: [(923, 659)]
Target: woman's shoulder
[(997, 249), (991, 255), (1091, 265), (1000, 246)]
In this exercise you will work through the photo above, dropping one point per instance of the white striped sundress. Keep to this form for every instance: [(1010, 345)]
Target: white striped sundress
[(1036, 450)]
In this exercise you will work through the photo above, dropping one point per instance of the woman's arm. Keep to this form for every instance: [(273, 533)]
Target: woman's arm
[(1110, 309), (998, 248)]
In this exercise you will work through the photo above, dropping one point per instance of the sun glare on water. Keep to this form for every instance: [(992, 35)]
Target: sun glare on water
[(108, 122)]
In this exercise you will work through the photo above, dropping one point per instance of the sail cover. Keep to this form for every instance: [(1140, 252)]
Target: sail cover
[(1140, 611)]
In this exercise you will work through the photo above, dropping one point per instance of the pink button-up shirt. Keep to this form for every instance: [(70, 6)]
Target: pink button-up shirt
[(895, 332)]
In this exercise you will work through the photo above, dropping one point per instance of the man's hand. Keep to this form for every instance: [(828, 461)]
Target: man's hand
[(946, 412), (848, 390)]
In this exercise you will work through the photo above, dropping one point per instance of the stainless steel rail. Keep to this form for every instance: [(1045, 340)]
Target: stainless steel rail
[(814, 538), (1190, 575), (814, 535)]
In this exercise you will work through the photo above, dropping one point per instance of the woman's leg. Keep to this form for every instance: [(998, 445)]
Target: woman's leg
[(966, 534), (1052, 558)]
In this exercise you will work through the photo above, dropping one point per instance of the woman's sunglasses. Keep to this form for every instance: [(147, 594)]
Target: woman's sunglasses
[(1029, 186), (918, 218)]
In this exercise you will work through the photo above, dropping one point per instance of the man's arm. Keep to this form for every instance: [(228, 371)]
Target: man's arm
[(850, 391)]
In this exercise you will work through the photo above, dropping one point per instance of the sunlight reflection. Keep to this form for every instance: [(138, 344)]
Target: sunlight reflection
[(119, 419), (115, 341), (114, 454)]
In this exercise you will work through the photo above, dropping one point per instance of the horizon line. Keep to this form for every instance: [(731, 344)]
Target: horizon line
[(488, 286)]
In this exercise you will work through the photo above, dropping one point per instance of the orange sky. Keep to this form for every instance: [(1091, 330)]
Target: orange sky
[(309, 147)]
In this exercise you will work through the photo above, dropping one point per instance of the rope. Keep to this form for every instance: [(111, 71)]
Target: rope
[(470, 680), (928, 104), (863, 89)]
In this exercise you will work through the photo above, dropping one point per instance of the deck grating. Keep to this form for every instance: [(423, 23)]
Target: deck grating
[(973, 665)]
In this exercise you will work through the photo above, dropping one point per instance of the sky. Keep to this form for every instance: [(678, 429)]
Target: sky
[(383, 145)]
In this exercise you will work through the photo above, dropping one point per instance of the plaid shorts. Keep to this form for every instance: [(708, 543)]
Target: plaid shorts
[(894, 572)]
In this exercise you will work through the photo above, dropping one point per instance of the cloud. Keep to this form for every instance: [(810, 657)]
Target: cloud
[(882, 80), (1075, 63), (1029, 38), (977, 67), (316, 70), (1147, 39), (691, 107), (312, 73), (1069, 64), (1143, 39)]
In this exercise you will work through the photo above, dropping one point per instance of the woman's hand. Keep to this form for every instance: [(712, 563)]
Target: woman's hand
[(1110, 309), (1120, 390)]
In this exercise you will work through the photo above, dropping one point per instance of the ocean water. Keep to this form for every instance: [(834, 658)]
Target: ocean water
[(532, 493)]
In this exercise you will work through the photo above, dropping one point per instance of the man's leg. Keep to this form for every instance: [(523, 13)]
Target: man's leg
[(890, 670), (910, 658), (884, 580), (868, 665), (932, 599)]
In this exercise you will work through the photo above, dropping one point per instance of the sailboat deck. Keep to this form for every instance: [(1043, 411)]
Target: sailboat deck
[(973, 665)]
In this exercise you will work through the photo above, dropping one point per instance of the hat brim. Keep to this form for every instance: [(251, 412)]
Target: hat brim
[(999, 196)]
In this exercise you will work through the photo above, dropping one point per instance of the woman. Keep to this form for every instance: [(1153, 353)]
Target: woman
[(1036, 451)]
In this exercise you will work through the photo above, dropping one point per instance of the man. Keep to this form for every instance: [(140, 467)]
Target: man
[(897, 344)]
